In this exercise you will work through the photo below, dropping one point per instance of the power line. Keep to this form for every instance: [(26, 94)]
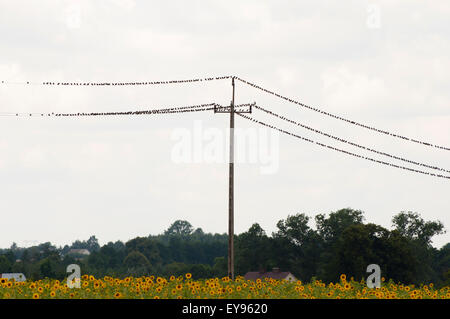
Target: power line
[(340, 150), (181, 109), (341, 118), (96, 84), (51, 83), (349, 142)]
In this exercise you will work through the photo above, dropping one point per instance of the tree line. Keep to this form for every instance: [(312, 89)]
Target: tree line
[(341, 243)]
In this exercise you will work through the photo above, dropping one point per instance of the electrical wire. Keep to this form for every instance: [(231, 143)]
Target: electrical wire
[(51, 83), (340, 150), (182, 109), (48, 83), (349, 142), (341, 118)]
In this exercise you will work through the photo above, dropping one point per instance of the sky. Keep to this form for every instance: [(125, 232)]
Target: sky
[(381, 63)]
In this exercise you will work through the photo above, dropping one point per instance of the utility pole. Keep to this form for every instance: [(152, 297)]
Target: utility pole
[(232, 111), (231, 192)]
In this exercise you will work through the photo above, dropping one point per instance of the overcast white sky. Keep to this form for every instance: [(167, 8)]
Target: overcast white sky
[(382, 63)]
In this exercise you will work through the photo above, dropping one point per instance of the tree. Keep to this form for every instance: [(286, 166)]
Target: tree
[(295, 229), (412, 226), (180, 227), (419, 233), (200, 271), (52, 267), (11, 257), (401, 262), (441, 266), (91, 244), (137, 264), (329, 230), (108, 260), (175, 268), (5, 264), (220, 268), (145, 246), (332, 227), (359, 246), (252, 250), (298, 246)]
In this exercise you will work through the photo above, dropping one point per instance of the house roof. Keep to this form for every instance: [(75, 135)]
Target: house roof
[(79, 251)]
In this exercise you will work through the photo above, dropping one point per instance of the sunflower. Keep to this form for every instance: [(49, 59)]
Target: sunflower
[(188, 276), (52, 294), (35, 296), (343, 277), (117, 295)]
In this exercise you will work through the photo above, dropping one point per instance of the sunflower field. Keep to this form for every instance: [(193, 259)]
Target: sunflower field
[(185, 287)]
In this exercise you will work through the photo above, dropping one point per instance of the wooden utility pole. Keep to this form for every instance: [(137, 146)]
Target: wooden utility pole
[(231, 193)]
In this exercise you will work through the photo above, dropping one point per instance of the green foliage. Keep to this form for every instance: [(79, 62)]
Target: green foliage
[(412, 226), (341, 243), (180, 227), (146, 247), (298, 246), (332, 227), (137, 264), (5, 264), (251, 250)]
